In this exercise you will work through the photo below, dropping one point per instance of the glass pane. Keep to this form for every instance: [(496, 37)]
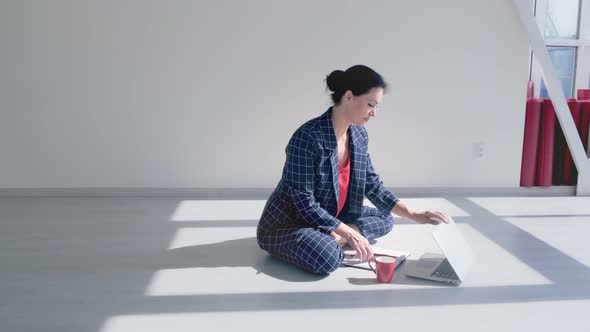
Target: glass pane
[(585, 33), (561, 19), (564, 62)]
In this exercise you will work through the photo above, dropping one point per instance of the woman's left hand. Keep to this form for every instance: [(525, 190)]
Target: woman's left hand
[(430, 217)]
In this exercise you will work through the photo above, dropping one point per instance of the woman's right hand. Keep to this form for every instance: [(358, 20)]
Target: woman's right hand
[(360, 244)]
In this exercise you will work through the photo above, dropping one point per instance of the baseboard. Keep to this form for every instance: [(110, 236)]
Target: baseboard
[(485, 191), (263, 193)]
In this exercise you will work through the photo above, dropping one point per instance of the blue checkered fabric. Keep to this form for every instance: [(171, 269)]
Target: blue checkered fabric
[(306, 248), (317, 252), (302, 208), (372, 223)]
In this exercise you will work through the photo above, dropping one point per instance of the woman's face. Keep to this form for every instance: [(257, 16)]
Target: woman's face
[(362, 108)]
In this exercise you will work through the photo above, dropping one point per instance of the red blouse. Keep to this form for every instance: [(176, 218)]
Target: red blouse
[(344, 177)]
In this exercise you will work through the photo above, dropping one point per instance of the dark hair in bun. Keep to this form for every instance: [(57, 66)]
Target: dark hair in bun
[(358, 79)]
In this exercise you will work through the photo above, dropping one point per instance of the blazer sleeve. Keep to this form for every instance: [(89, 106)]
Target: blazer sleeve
[(300, 177), (383, 199)]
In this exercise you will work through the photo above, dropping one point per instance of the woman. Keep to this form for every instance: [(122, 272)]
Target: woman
[(317, 206)]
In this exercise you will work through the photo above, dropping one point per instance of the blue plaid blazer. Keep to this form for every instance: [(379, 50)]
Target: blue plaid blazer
[(307, 194)]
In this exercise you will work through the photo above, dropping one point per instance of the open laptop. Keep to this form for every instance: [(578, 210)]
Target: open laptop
[(453, 266)]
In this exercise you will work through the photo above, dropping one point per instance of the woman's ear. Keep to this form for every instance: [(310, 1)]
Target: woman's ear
[(347, 96)]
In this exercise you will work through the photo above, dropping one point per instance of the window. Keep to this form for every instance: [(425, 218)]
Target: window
[(565, 25), (561, 19), (564, 62)]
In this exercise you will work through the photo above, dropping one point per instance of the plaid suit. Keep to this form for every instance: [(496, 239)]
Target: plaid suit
[(300, 213)]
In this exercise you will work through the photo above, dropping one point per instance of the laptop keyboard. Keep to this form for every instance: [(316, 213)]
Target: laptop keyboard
[(444, 270)]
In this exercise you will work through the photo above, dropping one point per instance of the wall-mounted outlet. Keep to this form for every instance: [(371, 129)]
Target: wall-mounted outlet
[(479, 150)]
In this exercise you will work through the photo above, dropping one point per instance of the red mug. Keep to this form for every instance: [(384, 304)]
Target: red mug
[(384, 267)]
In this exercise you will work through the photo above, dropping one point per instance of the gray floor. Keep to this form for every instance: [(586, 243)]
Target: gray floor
[(174, 264)]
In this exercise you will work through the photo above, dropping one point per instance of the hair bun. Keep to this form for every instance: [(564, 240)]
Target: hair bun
[(336, 80)]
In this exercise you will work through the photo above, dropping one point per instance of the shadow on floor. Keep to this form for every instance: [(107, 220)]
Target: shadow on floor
[(234, 253), (246, 253)]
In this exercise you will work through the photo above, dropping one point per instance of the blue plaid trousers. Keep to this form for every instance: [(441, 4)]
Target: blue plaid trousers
[(317, 252)]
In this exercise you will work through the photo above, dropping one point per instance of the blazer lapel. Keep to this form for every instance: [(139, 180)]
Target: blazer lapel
[(332, 146), (356, 190), (335, 175)]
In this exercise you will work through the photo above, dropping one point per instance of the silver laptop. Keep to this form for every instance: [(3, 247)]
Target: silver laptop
[(453, 266)]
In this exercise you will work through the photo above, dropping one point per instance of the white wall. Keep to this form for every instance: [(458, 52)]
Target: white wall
[(207, 93)]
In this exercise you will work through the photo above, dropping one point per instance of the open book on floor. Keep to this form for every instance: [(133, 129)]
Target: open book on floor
[(352, 261)]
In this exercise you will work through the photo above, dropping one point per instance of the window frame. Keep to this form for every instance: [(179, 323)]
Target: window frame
[(582, 45)]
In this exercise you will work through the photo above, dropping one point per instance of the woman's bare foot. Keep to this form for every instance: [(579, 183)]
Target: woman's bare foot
[(356, 229), (340, 240)]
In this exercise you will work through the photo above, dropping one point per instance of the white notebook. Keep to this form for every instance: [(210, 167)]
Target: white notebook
[(351, 260)]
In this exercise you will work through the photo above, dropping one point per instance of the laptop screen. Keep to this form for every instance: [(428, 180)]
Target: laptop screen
[(455, 248)]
